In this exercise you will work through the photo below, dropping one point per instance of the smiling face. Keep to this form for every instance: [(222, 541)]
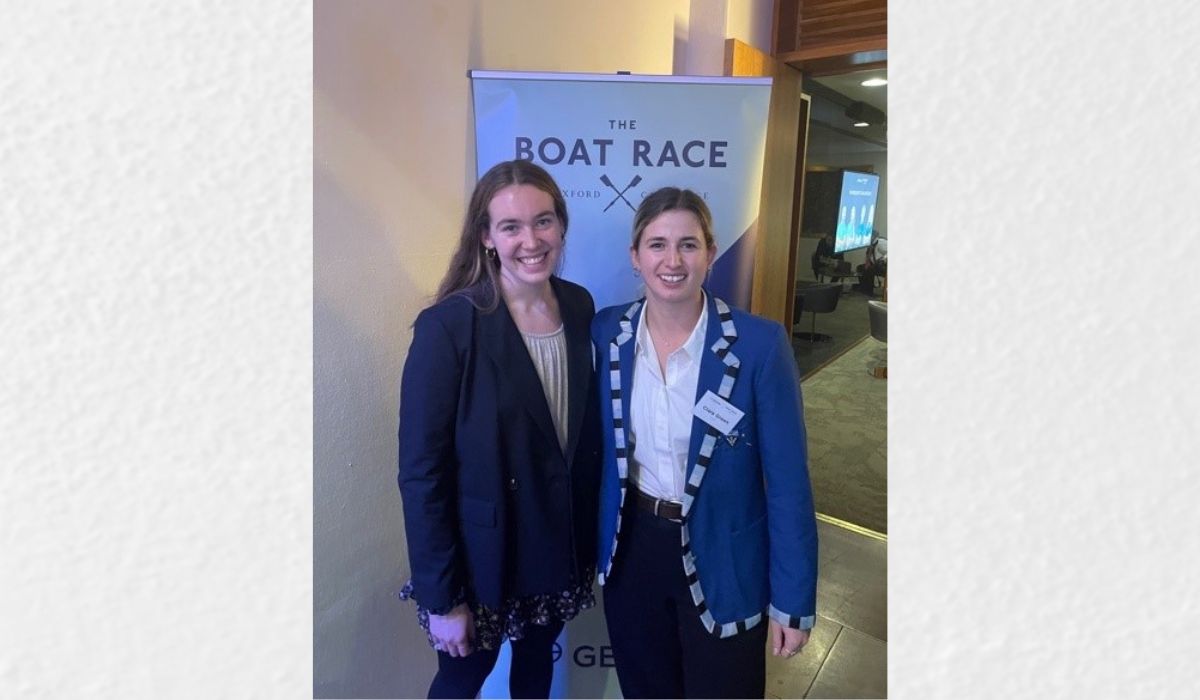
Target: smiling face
[(672, 258), (526, 235)]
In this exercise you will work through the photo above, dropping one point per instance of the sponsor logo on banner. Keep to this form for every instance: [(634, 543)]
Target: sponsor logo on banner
[(586, 655)]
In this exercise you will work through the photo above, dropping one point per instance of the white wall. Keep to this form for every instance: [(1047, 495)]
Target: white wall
[(393, 165)]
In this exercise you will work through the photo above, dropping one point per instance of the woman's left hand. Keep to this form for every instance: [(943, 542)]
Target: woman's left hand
[(785, 641)]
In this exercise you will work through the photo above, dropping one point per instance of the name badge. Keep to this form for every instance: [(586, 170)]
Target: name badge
[(717, 412)]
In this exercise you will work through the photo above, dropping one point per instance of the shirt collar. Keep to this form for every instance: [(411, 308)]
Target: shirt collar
[(691, 348)]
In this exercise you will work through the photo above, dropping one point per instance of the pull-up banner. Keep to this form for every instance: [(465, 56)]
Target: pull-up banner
[(610, 140)]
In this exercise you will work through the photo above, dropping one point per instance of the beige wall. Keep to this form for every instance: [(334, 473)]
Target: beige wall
[(393, 166), (749, 21)]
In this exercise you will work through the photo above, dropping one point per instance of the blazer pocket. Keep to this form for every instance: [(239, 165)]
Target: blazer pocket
[(477, 512), (750, 554)]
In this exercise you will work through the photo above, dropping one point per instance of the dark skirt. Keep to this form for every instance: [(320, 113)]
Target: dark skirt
[(509, 621)]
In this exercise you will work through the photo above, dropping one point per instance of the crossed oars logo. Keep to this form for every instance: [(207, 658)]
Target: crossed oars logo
[(621, 193)]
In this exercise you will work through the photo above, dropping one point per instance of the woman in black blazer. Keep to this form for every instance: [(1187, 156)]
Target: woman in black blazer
[(499, 442)]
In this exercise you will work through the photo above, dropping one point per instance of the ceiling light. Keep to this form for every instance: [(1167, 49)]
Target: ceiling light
[(861, 124), (874, 82)]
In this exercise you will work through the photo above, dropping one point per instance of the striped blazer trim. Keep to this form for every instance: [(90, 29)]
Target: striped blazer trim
[(723, 349), (623, 450), (796, 623)]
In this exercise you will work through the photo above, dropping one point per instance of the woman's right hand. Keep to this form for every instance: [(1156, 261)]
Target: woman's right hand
[(454, 632)]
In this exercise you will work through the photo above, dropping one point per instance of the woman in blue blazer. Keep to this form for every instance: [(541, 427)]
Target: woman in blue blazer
[(499, 442), (707, 528)]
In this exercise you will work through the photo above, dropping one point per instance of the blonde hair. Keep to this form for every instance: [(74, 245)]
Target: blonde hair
[(667, 199)]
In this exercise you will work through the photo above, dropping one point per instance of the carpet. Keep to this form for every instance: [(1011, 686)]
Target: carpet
[(845, 414)]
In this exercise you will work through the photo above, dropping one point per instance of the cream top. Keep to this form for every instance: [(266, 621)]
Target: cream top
[(549, 354)]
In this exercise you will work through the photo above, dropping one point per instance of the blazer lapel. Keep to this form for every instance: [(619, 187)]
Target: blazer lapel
[(718, 373), (502, 341), (628, 343), (618, 359), (579, 367)]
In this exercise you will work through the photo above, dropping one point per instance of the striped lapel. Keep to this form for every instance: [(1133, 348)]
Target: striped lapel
[(620, 377), (718, 373)]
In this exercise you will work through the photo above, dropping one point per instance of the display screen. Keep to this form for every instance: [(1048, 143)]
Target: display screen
[(856, 211)]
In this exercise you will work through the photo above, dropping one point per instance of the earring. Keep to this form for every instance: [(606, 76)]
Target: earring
[(637, 272), (490, 252)]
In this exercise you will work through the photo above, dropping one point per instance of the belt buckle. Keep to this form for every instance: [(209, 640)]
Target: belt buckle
[(660, 501)]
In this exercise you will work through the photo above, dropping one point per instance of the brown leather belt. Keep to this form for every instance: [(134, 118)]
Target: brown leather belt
[(671, 510)]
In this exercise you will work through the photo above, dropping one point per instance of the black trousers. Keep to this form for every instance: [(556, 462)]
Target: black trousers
[(660, 647), (529, 677)]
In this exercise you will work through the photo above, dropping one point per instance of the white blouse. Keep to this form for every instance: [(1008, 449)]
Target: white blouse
[(660, 411)]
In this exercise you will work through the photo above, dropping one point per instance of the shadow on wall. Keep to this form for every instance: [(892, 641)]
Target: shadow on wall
[(388, 186), (365, 642)]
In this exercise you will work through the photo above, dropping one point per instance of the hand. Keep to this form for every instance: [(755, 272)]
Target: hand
[(785, 641), (454, 632)]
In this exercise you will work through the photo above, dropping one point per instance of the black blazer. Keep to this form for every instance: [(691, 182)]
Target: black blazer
[(492, 505)]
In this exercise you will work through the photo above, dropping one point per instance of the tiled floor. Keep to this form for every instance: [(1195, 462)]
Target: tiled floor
[(846, 656)]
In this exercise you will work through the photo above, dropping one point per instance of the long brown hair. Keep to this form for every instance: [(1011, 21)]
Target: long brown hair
[(472, 272), (667, 199)]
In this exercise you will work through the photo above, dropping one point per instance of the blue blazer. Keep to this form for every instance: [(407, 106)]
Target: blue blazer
[(493, 507), (749, 541)]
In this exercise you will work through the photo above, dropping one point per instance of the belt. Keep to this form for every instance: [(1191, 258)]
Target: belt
[(671, 510)]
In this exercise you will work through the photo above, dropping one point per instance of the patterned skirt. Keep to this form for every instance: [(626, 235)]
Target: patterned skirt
[(509, 621)]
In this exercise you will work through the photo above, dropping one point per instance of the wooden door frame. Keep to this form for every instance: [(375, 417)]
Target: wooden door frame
[(781, 201)]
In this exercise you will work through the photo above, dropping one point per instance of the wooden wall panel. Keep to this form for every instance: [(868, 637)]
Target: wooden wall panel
[(773, 291), (824, 37)]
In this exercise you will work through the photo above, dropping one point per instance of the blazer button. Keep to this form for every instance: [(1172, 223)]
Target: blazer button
[(512, 484)]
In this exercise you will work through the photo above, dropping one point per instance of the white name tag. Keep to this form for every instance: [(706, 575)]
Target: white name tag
[(717, 412)]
